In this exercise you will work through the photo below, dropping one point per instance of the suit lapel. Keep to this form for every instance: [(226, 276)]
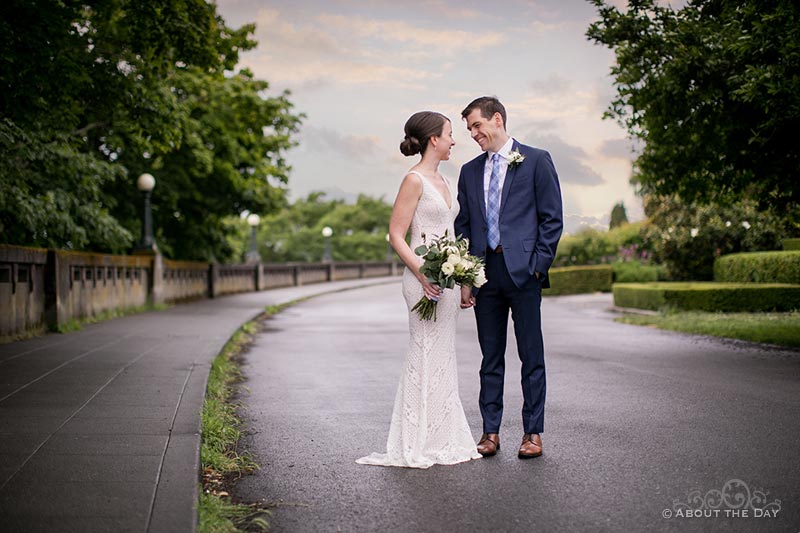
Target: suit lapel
[(510, 173), (477, 184)]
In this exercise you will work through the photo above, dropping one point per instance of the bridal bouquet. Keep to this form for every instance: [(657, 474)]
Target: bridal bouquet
[(447, 262)]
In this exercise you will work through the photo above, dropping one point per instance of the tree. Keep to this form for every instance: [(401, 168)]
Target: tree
[(224, 165), (295, 232), (713, 90), (618, 216), (95, 93)]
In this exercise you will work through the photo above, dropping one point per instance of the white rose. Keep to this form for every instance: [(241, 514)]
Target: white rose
[(454, 259), (447, 269), (480, 278), (465, 264)]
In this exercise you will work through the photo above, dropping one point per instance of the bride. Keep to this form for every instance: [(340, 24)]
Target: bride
[(428, 422)]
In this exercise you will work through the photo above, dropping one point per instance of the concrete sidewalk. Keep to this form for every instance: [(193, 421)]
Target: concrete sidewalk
[(100, 429)]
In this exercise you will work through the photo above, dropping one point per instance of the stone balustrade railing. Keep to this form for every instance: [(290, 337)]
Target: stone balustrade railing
[(44, 289)]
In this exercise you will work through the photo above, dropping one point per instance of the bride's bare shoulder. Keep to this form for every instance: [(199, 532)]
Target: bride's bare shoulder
[(412, 179)]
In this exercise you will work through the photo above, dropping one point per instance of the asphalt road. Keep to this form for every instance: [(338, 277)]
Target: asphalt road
[(637, 420)]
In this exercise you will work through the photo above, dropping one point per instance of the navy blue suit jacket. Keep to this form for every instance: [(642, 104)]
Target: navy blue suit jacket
[(531, 217)]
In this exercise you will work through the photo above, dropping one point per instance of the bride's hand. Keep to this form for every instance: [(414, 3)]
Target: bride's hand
[(467, 298), (433, 292)]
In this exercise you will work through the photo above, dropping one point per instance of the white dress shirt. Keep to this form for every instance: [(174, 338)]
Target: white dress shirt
[(487, 170)]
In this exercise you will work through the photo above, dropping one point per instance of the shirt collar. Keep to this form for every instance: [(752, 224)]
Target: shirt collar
[(505, 150)]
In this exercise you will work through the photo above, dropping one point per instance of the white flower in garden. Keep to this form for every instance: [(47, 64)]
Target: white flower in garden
[(671, 229), (746, 225), (728, 224), (694, 232), (454, 259), (447, 269)]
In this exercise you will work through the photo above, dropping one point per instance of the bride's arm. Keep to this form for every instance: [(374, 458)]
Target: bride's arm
[(404, 206)]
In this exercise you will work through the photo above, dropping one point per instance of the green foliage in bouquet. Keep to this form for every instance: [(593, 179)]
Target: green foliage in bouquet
[(447, 262)]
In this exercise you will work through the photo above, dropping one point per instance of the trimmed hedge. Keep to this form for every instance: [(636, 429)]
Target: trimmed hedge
[(759, 267), (708, 296), (791, 244), (636, 272), (580, 279)]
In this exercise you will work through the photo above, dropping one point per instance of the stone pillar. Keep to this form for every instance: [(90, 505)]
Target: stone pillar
[(260, 278), (156, 290), (213, 279), (51, 286)]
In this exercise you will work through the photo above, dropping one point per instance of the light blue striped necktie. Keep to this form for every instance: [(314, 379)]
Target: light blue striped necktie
[(493, 205)]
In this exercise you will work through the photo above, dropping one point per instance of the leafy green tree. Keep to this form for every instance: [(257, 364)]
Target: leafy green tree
[(224, 165), (618, 216), (713, 90), (96, 93), (52, 194), (295, 232)]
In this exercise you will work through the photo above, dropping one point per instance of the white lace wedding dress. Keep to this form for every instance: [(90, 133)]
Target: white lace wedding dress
[(428, 422)]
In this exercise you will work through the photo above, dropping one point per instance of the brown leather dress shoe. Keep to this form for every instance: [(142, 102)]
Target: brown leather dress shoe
[(531, 446), (489, 444)]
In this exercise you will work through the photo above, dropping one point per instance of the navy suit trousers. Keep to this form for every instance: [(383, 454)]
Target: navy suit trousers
[(493, 302)]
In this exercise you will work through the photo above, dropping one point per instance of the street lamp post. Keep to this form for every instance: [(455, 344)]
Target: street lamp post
[(253, 256), (145, 184), (327, 232)]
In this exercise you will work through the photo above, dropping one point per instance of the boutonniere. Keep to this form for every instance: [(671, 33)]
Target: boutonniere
[(515, 158)]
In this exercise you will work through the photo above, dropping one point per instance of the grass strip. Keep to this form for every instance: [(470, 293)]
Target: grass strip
[(782, 329), (76, 324), (220, 460)]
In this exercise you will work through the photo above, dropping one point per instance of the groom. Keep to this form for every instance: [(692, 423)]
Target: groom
[(511, 213)]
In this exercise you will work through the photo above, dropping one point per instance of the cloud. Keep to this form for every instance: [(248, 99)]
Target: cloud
[(570, 160), (406, 34), (316, 140), (553, 84), (351, 50), (620, 148)]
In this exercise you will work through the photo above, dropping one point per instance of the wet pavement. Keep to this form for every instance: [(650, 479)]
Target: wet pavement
[(640, 424)]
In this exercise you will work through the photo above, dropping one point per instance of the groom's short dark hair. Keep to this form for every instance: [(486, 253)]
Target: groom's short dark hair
[(489, 105)]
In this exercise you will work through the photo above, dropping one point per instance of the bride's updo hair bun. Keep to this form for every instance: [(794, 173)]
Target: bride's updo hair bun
[(420, 127), (410, 146)]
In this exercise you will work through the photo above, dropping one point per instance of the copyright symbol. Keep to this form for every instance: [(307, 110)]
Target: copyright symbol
[(666, 513)]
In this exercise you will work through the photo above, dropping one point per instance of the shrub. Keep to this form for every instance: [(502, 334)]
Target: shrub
[(791, 244), (687, 238), (581, 279), (759, 267), (636, 271), (591, 246), (725, 297)]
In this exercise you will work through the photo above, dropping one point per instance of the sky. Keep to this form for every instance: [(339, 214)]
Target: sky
[(359, 69)]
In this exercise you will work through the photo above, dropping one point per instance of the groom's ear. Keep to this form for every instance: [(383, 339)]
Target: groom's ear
[(498, 120)]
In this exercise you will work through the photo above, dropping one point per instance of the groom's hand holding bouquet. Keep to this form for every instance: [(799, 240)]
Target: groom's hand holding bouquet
[(445, 263)]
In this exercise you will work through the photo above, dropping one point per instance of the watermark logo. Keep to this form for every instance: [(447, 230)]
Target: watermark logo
[(735, 500)]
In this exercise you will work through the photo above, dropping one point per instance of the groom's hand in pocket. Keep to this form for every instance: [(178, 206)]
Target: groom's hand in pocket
[(467, 298)]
